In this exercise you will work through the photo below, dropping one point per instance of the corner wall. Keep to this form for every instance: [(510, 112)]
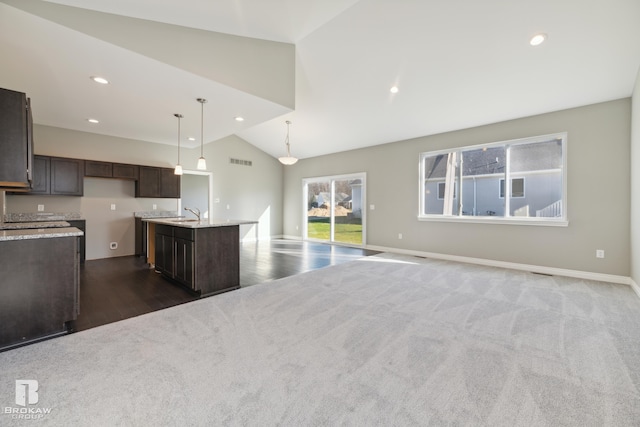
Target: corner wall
[(598, 194), (635, 186)]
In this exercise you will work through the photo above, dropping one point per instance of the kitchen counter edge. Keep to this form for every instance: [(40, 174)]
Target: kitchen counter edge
[(205, 223), (38, 233)]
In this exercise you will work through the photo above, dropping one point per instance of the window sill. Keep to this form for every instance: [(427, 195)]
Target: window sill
[(493, 220)]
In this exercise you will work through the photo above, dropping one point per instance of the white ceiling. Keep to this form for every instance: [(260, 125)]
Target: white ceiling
[(457, 64)]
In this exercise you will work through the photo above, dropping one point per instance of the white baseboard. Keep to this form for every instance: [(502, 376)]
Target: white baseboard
[(635, 287), (286, 236), (610, 278), (253, 239)]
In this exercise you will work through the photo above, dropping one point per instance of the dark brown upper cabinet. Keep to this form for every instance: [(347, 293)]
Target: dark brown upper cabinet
[(41, 175), (99, 169), (16, 141), (67, 176), (169, 184), (148, 184), (57, 176), (123, 171), (158, 182)]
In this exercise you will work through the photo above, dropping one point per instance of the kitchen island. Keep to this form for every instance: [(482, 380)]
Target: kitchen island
[(39, 285), (200, 255)]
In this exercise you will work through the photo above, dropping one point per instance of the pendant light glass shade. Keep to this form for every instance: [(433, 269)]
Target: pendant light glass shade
[(202, 163), (178, 169), (287, 160)]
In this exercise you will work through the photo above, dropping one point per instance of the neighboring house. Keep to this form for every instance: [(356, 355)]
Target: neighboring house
[(536, 181), (324, 198)]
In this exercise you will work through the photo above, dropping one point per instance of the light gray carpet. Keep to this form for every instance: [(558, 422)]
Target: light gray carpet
[(385, 340)]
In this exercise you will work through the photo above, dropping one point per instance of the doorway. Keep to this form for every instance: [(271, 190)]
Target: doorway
[(196, 189), (334, 209)]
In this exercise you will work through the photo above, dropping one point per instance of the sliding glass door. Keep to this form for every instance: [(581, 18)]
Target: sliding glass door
[(334, 209)]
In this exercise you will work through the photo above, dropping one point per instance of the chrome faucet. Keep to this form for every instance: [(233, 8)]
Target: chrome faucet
[(196, 212)]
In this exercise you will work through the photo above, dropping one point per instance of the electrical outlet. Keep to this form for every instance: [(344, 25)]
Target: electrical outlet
[(599, 253), (40, 208), (113, 206), (113, 245), (155, 206), (400, 236)]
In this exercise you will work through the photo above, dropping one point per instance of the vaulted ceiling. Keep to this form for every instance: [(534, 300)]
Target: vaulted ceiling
[(325, 65)]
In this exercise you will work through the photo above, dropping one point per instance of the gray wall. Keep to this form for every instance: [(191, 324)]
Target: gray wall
[(598, 193), (635, 184), (253, 193)]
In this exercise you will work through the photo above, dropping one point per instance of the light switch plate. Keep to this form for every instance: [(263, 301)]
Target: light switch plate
[(40, 208), (113, 206)]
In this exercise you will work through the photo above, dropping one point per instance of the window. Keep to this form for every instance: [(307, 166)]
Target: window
[(461, 184), (517, 187), (441, 191)]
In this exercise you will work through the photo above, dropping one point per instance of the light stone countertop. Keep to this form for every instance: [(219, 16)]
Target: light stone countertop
[(36, 224), (41, 216), (156, 214), (38, 233), (194, 223)]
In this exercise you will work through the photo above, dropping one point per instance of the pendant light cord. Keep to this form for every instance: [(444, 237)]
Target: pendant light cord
[(179, 116), (286, 140)]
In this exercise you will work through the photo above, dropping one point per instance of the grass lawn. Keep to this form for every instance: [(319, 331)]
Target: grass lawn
[(344, 233)]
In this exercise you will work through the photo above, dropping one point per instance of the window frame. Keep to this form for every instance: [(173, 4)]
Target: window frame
[(561, 221)]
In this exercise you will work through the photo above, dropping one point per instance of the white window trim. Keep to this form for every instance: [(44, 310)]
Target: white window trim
[(549, 222)]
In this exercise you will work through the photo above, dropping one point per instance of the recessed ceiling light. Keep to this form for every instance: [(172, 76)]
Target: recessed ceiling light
[(191, 138), (93, 121), (239, 119), (100, 80), (538, 39), (394, 89)]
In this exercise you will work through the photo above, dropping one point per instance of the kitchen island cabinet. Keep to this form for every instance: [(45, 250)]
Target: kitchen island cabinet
[(40, 284), (203, 256)]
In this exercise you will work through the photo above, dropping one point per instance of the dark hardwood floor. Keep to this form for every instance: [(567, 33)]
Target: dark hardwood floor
[(114, 289)]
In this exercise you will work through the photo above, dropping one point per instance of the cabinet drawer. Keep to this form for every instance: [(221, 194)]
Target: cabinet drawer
[(183, 233), (167, 230)]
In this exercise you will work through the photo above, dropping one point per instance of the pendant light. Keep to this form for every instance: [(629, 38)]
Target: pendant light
[(202, 163), (288, 159), (178, 170)]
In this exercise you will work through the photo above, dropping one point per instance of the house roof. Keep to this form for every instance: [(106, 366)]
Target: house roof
[(325, 66)]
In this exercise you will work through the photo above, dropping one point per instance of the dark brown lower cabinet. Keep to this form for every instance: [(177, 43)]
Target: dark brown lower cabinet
[(205, 260), (80, 224), (38, 290)]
